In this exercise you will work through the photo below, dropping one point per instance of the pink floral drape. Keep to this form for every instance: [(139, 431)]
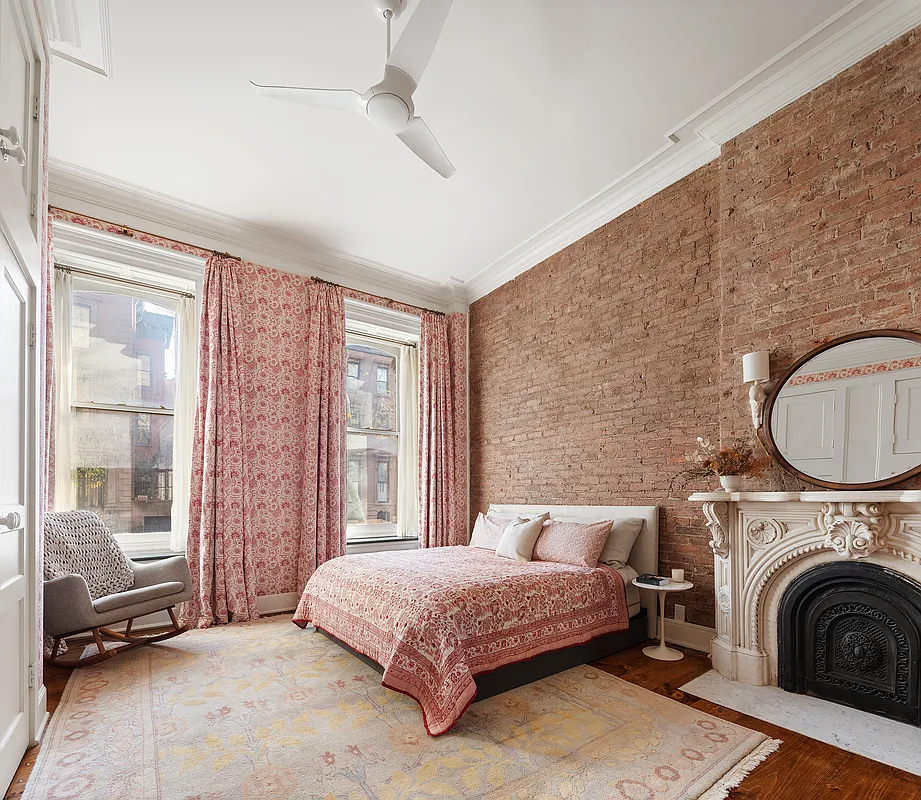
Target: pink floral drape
[(443, 430), (324, 513), (219, 547)]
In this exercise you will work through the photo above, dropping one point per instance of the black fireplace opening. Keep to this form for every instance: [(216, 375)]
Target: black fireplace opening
[(851, 633)]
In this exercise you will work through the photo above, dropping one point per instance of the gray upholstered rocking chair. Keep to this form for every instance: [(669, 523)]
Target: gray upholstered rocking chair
[(89, 584)]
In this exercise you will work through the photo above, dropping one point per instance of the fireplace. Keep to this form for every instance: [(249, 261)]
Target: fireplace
[(851, 633), (867, 544)]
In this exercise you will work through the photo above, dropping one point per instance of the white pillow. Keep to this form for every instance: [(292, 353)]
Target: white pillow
[(623, 535), (519, 538)]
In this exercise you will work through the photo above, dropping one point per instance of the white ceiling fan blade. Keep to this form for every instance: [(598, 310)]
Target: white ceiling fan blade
[(336, 99), (418, 138), (415, 45)]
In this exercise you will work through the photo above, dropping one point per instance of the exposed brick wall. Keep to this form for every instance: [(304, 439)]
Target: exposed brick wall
[(592, 373)]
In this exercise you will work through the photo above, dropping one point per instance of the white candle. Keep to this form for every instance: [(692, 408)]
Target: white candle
[(677, 576)]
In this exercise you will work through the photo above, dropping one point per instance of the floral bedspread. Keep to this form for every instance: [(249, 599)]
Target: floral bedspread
[(434, 618)]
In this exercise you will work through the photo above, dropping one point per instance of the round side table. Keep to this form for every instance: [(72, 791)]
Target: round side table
[(660, 652)]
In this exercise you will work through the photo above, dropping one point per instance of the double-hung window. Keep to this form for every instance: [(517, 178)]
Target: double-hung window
[(381, 383), (118, 368)]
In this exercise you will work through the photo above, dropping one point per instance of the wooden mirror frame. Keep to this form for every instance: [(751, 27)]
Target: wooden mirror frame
[(766, 435)]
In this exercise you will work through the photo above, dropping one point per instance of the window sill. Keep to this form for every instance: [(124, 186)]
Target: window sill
[(379, 539), (380, 545), (155, 556)]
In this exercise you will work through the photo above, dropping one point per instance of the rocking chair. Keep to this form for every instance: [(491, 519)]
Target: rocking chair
[(90, 585)]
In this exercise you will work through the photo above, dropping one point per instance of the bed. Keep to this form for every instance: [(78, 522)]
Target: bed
[(450, 625)]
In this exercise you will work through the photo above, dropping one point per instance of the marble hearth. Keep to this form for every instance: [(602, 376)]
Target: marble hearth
[(763, 541)]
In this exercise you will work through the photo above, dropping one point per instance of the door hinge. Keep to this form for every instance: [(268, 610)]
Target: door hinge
[(32, 335), (36, 108), (34, 205), (31, 676)]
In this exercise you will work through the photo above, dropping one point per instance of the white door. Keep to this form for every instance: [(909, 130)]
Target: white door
[(21, 106), (15, 651)]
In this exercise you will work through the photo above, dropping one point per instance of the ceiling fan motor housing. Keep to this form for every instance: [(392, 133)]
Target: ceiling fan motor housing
[(395, 7), (389, 104)]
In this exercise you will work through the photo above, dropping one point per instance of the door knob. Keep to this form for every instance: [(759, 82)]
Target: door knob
[(11, 134), (11, 520), (16, 153)]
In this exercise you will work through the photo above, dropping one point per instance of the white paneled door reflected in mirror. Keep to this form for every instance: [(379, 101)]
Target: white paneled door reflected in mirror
[(848, 414)]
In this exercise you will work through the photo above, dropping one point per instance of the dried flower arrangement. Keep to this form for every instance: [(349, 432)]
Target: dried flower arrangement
[(737, 457)]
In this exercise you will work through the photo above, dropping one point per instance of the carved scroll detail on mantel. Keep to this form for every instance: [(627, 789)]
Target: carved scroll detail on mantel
[(855, 530), (717, 515)]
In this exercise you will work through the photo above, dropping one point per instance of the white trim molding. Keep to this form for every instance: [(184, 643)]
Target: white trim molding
[(93, 194), (859, 29)]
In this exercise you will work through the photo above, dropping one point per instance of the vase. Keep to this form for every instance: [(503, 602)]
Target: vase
[(731, 483)]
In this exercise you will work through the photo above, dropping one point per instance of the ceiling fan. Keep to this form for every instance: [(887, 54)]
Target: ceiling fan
[(389, 104)]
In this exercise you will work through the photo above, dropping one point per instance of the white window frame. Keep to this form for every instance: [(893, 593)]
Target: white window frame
[(375, 323), (113, 256)]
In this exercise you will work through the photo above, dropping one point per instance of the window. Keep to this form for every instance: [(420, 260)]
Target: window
[(383, 379), (373, 438), (383, 480), (143, 430), (144, 371), (122, 403)]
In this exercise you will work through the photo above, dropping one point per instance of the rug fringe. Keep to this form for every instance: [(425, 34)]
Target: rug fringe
[(720, 790)]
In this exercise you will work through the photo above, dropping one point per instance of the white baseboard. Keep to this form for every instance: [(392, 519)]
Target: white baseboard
[(687, 634), (278, 603), (41, 716), (267, 604)]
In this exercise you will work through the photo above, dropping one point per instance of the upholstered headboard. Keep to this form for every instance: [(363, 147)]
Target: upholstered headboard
[(645, 554)]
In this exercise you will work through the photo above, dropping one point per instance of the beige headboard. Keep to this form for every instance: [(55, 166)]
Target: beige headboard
[(645, 554)]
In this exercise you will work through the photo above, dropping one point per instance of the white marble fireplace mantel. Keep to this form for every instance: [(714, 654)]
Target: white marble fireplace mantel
[(762, 541)]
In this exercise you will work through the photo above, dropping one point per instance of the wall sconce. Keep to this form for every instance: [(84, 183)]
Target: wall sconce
[(756, 370)]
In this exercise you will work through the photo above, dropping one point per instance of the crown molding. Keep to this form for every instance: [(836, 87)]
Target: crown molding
[(93, 194), (857, 30)]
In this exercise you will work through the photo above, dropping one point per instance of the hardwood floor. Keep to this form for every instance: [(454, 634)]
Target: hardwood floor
[(803, 768)]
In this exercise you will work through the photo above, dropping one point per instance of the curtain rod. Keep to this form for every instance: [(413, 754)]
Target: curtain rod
[(119, 279), (315, 279), (129, 233)]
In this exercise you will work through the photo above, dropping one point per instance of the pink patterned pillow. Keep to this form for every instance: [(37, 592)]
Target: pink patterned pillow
[(574, 543), (487, 531)]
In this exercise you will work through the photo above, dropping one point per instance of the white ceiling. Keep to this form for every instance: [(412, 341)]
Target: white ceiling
[(540, 105)]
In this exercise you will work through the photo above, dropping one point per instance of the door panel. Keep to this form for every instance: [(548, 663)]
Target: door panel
[(12, 387), (862, 432), (908, 416), (16, 88), (16, 649)]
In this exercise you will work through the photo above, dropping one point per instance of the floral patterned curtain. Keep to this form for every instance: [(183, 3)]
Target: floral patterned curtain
[(324, 513), (443, 430), (219, 548)]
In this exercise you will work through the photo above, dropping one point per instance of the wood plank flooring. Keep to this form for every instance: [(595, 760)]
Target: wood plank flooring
[(803, 768)]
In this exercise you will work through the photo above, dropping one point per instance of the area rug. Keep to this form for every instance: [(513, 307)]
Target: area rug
[(265, 710)]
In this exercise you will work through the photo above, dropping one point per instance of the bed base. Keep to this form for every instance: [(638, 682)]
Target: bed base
[(511, 676)]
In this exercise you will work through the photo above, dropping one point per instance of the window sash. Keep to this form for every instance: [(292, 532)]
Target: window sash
[(146, 542)]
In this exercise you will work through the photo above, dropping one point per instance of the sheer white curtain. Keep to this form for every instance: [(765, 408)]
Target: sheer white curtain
[(183, 422), (64, 499), (408, 461)]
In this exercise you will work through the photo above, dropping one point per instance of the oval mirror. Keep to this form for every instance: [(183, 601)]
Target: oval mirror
[(848, 414)]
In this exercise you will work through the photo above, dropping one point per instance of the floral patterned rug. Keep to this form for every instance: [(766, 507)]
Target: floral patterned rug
[(266, 711)]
